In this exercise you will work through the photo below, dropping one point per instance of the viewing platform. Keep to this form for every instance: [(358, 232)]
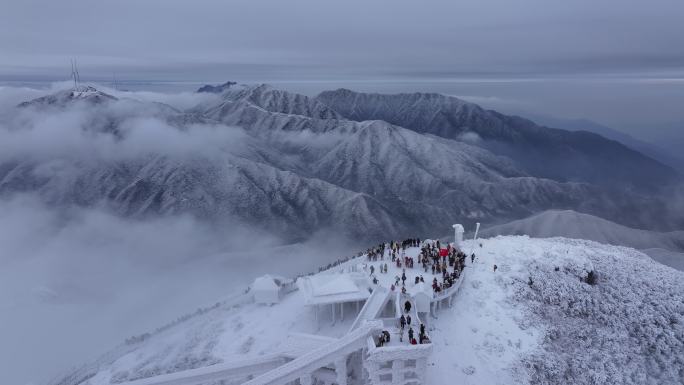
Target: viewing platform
[(390, 293)]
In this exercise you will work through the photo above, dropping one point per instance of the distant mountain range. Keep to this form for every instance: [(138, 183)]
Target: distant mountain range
[(371, 166), (569, 156), (663, 154), (669, 136)]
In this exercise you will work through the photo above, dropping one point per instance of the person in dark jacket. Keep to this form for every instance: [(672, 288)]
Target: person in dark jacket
[(408, 320), (402, 322), (410, 334), (407, 306)]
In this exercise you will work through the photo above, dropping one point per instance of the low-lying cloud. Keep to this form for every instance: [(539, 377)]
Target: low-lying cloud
[(120, 130), (75, 281)]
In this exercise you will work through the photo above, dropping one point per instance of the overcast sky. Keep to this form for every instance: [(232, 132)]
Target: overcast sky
[(390, 40)]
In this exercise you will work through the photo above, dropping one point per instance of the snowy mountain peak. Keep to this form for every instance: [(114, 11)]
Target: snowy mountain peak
[(87, 94), (208, 88), (397, 102), (279, 101)]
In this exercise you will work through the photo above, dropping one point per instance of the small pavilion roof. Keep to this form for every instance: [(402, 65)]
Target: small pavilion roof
[(335, 288), (265, 282)]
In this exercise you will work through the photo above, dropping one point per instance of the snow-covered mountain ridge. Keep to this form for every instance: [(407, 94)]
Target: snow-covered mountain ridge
[(285, 162), (534, 320), (541, 151)]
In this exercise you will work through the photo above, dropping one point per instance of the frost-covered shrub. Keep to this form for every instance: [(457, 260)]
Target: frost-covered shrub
[(591, 278), (626, 328)]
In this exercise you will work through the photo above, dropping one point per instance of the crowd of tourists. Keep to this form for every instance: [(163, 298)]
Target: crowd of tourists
[(444, 261), (405, 323), (439, 259), (405, 328)]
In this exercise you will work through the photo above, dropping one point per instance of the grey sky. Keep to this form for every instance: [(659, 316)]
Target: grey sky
[(387, 37), (314, 40)]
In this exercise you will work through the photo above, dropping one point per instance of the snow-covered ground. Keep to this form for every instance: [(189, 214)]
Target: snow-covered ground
[(481, 337), (535, 320)]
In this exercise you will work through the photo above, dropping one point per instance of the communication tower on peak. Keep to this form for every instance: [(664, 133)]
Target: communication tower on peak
[(74, 75)]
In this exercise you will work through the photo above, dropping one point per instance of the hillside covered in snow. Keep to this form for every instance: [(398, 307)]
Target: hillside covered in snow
[(665, 247), (541, 151), (292, 165), (535, 320)]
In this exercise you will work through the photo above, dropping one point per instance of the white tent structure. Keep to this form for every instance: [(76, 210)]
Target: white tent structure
[(266, 290), (421, 297), (458, 235)]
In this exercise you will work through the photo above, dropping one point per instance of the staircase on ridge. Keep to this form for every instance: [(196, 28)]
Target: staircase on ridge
[(335, 353), (373, 306)]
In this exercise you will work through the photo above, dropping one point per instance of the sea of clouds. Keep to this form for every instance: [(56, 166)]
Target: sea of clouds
[(76, 281)]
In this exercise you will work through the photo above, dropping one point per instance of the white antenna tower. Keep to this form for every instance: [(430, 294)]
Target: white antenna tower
[(75, 75), (78, 76)]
